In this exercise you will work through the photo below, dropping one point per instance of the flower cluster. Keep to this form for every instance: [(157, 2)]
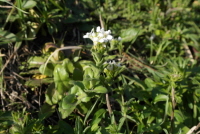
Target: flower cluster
[(112, 69), (100, 36), (112, 65)]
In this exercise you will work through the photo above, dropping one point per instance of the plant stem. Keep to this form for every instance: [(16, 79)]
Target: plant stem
[(151, 52), (173, 108), (108, 105)]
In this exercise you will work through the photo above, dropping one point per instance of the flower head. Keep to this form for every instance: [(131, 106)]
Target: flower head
[(112, 65), (112, 69), (119, 38), (99, 36)]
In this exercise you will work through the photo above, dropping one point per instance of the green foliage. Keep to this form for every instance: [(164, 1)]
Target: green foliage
[(147, 82)]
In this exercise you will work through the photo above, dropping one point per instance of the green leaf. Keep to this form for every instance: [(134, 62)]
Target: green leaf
[(63, 126), (48, 69), (68, 65), (13, 5), (84, 63), (197, 92), (55, 3), (91, 71), (36, 61), (100, 89), (161, 97), (7, 37), (84, 107), (77, 74), (131, 118), (90, 111), (38, 82), (185, 129), (81, 95), (76, 58), (150, 119), (79, 125), (99, 113), (180, 118), (63, 112), (154, 128), (136, 81), (46, 111), (149, 82), (86, 83), (97, 118), (61, 79), (60, 73), (95, 126), (130, 35), (29, 4), (121, 123), (74, 89), (52, 96), (67, 105), (69, 101)]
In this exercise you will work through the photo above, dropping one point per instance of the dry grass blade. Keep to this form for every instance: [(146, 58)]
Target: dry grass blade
[(193, 129), (63, 48), (108, 105), (5, 6), (188, 53), (5, 65)]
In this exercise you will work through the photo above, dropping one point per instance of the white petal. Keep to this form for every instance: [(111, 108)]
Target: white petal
[(93, 34), (100, 35), (102, 40), (109, 37), (152, 37), (108, 32), (114, 62), (119, 38), (87, 35), (102, 30), (105, 39), (98, 29), (95, 39)]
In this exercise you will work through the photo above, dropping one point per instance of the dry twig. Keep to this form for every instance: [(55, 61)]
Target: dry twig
[(194, 129), (108, 104)]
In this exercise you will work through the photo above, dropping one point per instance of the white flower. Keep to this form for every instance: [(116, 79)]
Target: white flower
[(100, 36), (93, 34), (98, 29), (102, 40), (112, 65), (109, 37), (152, 37), (119, 38), (87, 35), (108, 32), (95, 39)]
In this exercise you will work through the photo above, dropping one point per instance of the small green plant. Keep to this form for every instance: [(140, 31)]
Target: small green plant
[(78, 83)]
